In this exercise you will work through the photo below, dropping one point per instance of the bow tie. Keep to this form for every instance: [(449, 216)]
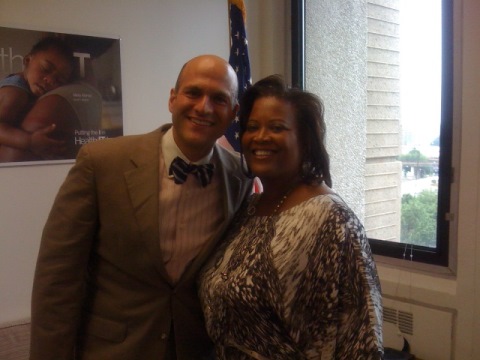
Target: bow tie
[(180, 170)]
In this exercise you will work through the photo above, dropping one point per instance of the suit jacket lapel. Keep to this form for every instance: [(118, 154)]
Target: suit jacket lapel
[(143, 186)]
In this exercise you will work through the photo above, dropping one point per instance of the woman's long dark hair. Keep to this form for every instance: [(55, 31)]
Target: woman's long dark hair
[(311, 126)]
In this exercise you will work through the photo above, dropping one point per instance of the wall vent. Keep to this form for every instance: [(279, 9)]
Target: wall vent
[(402, 319), (428, 329)]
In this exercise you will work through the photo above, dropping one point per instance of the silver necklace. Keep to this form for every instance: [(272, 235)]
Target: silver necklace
[(252, 207)]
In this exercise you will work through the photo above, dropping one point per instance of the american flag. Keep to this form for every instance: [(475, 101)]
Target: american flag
[(239, 61)]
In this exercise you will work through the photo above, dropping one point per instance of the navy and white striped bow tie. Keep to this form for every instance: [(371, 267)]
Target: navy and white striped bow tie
[(180, 170)]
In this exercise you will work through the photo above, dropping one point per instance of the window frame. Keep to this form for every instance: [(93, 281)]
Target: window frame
[(434, 256)]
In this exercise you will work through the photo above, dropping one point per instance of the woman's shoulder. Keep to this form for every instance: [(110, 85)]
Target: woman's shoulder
[(328, 206), (318, 206)]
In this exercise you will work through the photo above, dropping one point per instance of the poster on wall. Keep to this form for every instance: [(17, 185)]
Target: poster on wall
[(58, 92)]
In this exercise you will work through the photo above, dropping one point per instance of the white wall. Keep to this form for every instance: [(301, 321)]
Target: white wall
[(268, 33), (468, 279)]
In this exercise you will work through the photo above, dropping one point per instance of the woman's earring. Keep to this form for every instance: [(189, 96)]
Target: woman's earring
[(306, 169)]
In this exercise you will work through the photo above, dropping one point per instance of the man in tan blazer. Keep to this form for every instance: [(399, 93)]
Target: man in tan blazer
[(116, 271)]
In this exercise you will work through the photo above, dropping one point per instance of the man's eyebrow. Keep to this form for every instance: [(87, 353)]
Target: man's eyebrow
[(221, 93), (192, 87)]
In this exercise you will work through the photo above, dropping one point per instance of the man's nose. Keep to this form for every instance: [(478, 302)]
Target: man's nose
[(205, 104)]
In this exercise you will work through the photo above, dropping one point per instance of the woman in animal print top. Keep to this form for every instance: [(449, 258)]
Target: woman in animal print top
[(294, 277)]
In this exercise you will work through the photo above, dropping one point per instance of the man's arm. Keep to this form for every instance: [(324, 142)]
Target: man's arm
[(60, 277)]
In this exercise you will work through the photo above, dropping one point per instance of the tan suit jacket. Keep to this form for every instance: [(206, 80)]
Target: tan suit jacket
[(101, 290)]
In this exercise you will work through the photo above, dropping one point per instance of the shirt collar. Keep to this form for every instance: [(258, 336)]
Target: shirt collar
[(170, 151)]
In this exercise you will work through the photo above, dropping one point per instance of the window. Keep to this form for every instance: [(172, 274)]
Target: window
[(389, 138)]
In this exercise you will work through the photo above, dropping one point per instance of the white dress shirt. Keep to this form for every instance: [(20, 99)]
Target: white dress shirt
[(189, 213)]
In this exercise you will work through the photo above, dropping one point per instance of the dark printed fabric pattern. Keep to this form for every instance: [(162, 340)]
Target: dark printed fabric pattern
[(302, 285)]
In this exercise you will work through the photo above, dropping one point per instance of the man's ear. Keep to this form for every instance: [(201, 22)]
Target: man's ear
[(171, 99)]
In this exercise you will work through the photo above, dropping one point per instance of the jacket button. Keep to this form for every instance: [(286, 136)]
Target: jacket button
[(163, 336)]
